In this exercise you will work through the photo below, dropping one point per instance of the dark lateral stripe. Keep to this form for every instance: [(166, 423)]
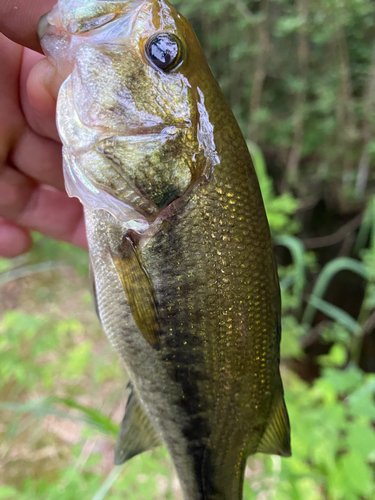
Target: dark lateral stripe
[(182, 350)]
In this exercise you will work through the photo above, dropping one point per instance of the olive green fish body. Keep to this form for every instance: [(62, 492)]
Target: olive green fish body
[(185, 282)]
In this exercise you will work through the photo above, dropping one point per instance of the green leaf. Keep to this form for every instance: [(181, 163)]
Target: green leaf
[(358, 475), (108, 483), (22, 272), (8, 493), (337, 356), (297, 250), (325, 277), (77, 360), (361, 439), (45, 406)]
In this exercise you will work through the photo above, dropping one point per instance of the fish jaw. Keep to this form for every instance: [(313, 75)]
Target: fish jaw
[(71, 22)]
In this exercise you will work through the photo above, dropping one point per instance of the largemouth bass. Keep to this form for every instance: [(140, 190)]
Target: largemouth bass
[(184, 279)]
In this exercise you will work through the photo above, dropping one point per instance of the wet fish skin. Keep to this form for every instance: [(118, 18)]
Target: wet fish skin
[(185, 281)]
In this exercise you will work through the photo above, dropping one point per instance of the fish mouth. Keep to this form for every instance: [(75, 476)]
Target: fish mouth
[(74, 12), (43, 25), (79, 17)]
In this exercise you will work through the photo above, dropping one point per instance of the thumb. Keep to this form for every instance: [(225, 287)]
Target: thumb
[(42, 86), (19, 20)]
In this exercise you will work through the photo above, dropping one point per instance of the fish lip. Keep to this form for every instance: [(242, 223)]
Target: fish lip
[(49, 23), (43, 26)]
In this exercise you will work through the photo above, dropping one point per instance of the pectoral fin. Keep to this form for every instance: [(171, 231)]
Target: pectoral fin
[(139, 291), (136, 433), (276, 437)]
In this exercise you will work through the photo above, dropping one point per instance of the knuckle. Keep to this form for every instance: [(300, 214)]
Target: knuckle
[(15, 193)]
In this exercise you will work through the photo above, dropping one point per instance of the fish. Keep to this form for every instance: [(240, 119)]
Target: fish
[(184, 279)]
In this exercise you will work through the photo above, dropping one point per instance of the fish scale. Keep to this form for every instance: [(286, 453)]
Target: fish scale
[(223, 359), (183, 272)]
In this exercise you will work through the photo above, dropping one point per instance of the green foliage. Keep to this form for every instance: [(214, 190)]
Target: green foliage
[(279, 208), (297, 275), (147, 476), (47, 406), (26, 340), (299, 76), (47, 249), (333, 438), (326, 275)]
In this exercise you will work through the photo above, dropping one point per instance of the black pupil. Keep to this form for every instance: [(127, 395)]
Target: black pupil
[(163, 50)]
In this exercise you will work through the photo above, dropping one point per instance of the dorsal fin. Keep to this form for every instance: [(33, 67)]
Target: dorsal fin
[(138, 289), (276, 437), (136, 433)]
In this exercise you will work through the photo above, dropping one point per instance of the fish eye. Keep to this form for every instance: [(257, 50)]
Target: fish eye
[(164, 51)]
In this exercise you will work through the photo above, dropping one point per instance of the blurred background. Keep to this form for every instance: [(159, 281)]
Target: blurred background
[(300, 78)]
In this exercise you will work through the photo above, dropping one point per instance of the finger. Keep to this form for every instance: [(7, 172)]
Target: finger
[(19, 20), (11, 120), (16, 191), (14, 240), (39, 158), (39, 87), (54, 214), (41, 208)]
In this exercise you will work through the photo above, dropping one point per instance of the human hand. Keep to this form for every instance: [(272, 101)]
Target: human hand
[(32, 195)]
